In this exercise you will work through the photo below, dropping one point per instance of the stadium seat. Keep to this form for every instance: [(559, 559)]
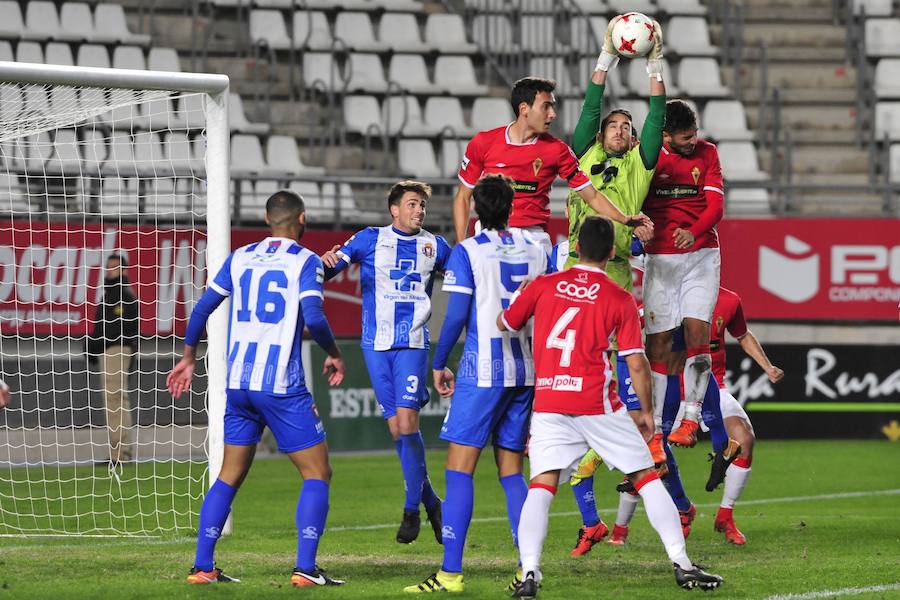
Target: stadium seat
[(446, 33), (178, 151), (705, 80), (360, 113), (110, 27), (190, 112), (30, 52), (284, 165), (637, 80), (340, 196), (536, 6), (638, 108), (401, 31), (311, 30), (725, 120), (11, 23), (592, 7), (558, 70), (403, 115), (416, 158), (41, 21), (247, 156), (76, 23), (488, 113), (887, 120), (689, 36), (887, 78), (399, 5), (163, 59), (13, 198), (618, 7), (739, 162), (120, 158), (129, 117), (494, 33), (447, 112), (559, 196), (894, 160), (873, 8), (94, 150), (356, 31), (588, 33), (882, 37), (6, 51), (614, 84), (118, 196), (452, 151), (279, 4), (149, 155), (56, 53), (267, 26), (312, 198), (410, 72), (254, 196), (747, 201), (65, 159), (282, 154), (320, 69), (128, 57), (538, 34), (456, 75), (681, 7), (365, 73), (569, 111), (237, 118)]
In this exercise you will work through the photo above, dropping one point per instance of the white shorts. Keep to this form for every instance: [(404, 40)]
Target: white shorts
[(558, 442), (680, 286), (730, 407)]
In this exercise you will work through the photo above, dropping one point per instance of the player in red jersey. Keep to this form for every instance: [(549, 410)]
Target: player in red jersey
[(728, 315), (533, 159), (576, 404), (681, 279)]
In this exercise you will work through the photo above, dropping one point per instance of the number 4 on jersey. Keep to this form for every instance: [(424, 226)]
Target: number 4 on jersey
[(565, 343)]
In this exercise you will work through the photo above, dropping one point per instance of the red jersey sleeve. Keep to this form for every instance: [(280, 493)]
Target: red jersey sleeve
[(628, 329), (472, 162), (522, 309), (737, 326), (714, 193), (569, 169)]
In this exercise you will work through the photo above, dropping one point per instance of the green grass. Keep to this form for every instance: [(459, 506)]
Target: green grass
[(794, 546)]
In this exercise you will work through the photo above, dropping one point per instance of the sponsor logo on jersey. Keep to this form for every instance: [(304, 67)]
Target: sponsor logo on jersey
[(579, 292), (677, 191), (428, 250), (447, 533), (536, 165), (528, 187), (310, 533), (465, 162), (449, 277), (567, 383)]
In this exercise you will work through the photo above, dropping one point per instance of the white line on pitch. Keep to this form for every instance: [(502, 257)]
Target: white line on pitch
[(707, 505), (835, 593)]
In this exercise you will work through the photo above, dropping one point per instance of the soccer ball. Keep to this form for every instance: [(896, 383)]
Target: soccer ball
[(633, 35)]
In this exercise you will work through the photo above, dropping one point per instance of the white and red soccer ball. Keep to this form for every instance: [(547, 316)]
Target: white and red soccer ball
[(633, 35)]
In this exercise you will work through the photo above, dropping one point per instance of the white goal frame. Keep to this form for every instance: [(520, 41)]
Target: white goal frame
[(218, 222)]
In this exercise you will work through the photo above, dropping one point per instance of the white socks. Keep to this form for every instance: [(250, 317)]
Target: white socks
[(696, 378), (663, 517), (735, 481), (627, 506), (533, 527), (659, 380)]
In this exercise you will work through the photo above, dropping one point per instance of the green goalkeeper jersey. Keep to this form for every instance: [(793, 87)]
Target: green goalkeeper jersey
[(624, 179)]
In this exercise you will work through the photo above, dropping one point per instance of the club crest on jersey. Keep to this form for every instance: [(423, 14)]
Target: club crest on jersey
[(536, 165), (719, 322), (695, 173), (581, 278), (428, 250)]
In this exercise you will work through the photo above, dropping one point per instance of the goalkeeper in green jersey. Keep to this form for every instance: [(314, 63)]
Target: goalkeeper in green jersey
[(622, 169), (609, 154)]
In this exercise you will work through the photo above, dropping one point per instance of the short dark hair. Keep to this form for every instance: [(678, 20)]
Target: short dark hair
[(119, 256), (493, 196), (679, 117), (407, 185), (617, 111), (596, 238), (526, 90), (283, 207)]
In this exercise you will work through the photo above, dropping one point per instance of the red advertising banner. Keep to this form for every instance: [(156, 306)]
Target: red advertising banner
[(811, 269), (52, 275)]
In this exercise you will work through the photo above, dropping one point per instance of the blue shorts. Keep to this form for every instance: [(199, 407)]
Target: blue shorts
[(476, 413), (626, 390), (293, 419), (399, 378)]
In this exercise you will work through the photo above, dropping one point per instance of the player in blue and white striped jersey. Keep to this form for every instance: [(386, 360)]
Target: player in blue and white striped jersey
[(398, 263), (276, 289), (558, 256), (493, 394)]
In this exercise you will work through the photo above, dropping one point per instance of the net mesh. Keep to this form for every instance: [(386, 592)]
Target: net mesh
[(92, 443)]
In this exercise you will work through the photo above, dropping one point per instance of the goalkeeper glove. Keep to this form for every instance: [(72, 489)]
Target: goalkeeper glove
[(608, 58), (655, 56), (589, 463)]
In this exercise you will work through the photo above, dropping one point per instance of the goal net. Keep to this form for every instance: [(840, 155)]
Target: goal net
[(99, 166)]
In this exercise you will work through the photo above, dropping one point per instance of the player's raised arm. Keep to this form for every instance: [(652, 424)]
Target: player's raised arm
[(588, 124), (601, 204), (462, 208), (652, 130)]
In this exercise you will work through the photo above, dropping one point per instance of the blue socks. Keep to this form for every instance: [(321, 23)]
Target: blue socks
[(584, 497), (672, 481), (457, 514), (312, 511), (516, 491), (213, 513), (412, 461), (711, 411), (671, 404)]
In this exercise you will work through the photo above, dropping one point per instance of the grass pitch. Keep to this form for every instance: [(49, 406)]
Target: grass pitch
[(819, 515)]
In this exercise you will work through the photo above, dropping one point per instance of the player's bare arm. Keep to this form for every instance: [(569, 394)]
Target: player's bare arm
[(4, 394), (639, 369), (461, 210), (181, 376), (751, 346)]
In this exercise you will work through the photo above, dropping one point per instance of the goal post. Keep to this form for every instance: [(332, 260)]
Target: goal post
[(96, 162)]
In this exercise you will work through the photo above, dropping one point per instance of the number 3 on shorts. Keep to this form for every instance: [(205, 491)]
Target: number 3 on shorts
[(567, 343), (413, 386)]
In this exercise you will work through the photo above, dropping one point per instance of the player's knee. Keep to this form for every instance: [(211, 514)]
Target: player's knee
[(638, 475)]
